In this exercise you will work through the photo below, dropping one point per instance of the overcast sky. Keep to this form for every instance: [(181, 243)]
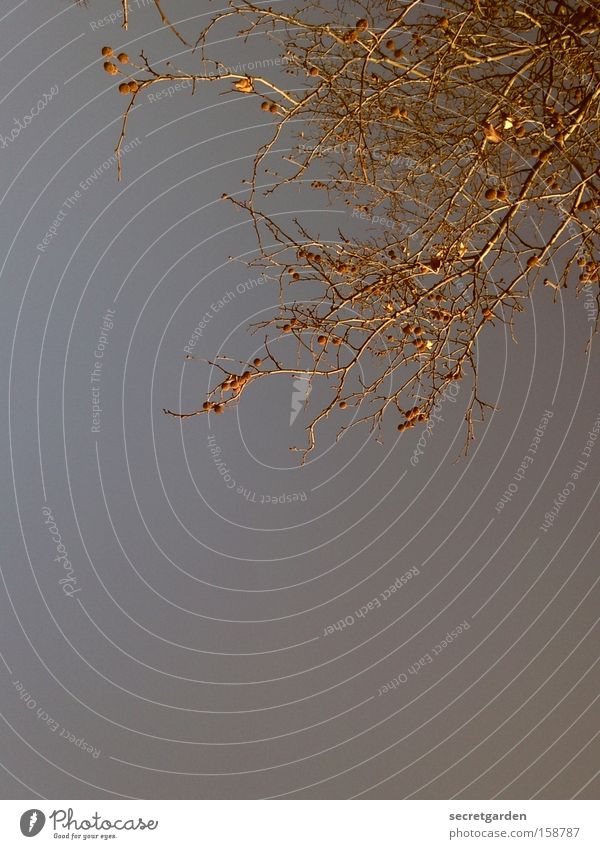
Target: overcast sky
[(373, 624)]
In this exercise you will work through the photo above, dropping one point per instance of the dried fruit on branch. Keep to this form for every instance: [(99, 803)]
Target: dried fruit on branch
[(498, 102)]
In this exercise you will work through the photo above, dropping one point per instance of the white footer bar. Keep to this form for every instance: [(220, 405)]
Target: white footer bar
[(301, 824)]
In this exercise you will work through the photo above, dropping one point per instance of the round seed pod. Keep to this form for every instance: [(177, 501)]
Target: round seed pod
[(273, 108), (362, 24), (390, 44), (313, 72), (491, 194), (110, 68), (264, 106), (124, 88), (123, 58), (343, 405), (287, 328), (257, 362), (107, 51), (133, 87), (207, 405), (532, 261), (322, 340), (218, 409)]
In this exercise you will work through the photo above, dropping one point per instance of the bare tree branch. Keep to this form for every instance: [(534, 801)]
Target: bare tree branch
[(457, 131)]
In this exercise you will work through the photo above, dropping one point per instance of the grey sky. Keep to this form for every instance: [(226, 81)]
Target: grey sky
[(176, 632)]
